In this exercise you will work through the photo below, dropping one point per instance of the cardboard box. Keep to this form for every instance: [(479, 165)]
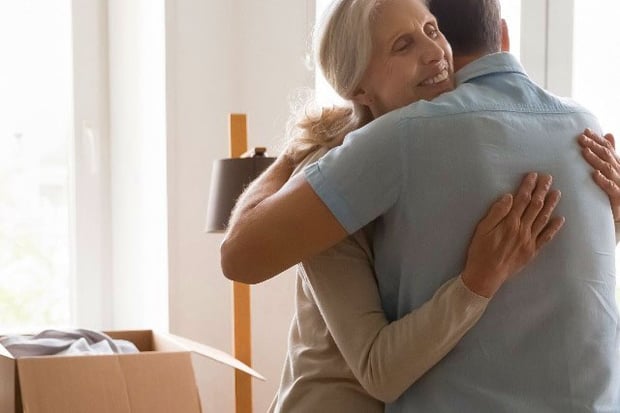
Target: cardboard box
[(159, 379)]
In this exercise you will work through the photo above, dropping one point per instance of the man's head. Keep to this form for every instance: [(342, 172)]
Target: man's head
[(473, 27)]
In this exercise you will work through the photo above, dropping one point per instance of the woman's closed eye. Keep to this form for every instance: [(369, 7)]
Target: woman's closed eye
[(402, 44)]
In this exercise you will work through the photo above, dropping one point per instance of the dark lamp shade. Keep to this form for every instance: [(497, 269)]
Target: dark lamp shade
[(228, 180)]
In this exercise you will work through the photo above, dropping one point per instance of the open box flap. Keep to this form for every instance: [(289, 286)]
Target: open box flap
[(209, 352), (160, 382), (4, 352)]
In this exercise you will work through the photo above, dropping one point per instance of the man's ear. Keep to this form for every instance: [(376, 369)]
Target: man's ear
[(505, 47)]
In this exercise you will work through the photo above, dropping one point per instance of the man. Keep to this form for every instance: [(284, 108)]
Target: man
[(428, 172)]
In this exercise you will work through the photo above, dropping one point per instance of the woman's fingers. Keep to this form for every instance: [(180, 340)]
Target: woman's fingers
[(524, 196), (612, 189), (542, 219), (606, 141), (611, 169), (496, 214), (600, 153), (602, 146), (612, 141), (537, 202), (549, 232), (511, 234), (523, 208)]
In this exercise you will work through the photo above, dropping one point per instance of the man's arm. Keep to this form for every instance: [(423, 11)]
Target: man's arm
[(278, 224), (275, 225)]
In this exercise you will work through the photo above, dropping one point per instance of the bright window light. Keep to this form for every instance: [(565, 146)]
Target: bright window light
[(511, 12), (596, 60), (35, 123)]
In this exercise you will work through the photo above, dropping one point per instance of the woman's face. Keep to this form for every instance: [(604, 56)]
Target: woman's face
[(411, 59)]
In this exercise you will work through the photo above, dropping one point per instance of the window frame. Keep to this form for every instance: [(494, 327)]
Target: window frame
[(89, 186)]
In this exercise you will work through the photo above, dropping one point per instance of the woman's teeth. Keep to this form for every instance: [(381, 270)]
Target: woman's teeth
[(436, 79)]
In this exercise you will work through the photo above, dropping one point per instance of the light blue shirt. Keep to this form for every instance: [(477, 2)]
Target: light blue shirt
[(548, 341)]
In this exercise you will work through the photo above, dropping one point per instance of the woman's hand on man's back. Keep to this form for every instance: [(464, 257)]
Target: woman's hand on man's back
[(512, 234)]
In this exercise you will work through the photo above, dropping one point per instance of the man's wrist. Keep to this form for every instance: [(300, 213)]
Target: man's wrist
[(281, 170), (286, 163)]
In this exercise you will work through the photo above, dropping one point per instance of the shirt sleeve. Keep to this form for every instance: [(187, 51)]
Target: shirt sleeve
[(386, 358), (362, 178)]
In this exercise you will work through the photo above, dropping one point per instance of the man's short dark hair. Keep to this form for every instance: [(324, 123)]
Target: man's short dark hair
[(471, 26)]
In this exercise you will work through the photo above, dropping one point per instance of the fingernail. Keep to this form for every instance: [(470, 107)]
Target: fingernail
[(549, 182), (588, 131)]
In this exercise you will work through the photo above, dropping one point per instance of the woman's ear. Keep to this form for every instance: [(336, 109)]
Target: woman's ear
[(505, 47), (362, 97)]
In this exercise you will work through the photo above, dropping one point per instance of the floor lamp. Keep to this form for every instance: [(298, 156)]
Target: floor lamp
[(228, 179)]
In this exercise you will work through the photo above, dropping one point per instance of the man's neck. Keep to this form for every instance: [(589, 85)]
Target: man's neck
[(462, 61)]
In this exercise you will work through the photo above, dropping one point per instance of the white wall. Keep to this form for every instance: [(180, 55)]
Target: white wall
[(226, 56), (136, 36), (177, 68), (200, 86), (274, 41)]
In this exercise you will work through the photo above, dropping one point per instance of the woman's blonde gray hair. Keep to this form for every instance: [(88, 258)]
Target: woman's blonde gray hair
[(342, 50)]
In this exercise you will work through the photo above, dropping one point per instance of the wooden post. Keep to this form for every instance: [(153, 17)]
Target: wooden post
[(242, 347)]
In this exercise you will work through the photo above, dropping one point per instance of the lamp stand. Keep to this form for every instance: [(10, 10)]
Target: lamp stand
[(242, 332)]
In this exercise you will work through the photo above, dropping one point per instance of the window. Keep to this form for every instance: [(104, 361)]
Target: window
[(511, 12), (54, 219), (596, 58), (35, 127)]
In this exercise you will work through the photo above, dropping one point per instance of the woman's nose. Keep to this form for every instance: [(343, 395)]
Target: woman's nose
[(432, 52)]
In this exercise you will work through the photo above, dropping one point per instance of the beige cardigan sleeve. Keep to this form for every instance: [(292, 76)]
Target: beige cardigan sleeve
[(385, 357)]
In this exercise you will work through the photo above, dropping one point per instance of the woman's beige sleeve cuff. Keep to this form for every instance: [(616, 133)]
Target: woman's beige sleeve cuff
[(473, 302)]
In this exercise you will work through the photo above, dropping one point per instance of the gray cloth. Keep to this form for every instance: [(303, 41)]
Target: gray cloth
[(66, 343)]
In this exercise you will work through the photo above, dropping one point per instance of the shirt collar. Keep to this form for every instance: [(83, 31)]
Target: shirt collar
[(492, 63)]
